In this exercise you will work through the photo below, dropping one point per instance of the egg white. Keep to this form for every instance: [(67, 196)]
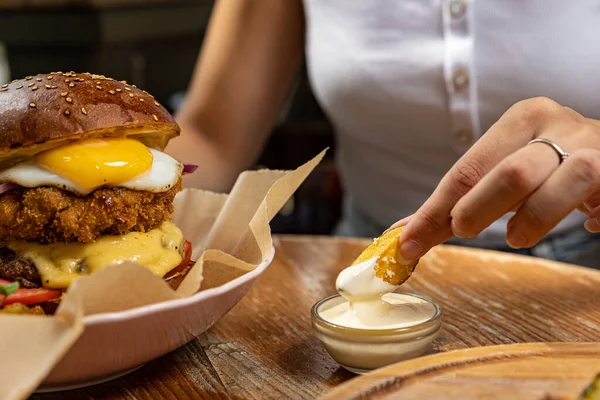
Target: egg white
[(163, 174)]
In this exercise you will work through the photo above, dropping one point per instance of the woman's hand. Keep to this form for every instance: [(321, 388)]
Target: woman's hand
[(501, 173)]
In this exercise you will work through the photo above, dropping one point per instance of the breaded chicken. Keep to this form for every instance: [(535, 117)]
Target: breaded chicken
[(49, 215)]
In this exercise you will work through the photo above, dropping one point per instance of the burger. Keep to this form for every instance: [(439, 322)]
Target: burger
[(84, 184)]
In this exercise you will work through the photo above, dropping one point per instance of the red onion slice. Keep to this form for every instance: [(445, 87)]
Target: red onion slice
[(5, 187), (189, 168)]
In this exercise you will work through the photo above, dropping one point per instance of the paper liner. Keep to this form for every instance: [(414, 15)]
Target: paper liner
[(235, 230), (31, 345)]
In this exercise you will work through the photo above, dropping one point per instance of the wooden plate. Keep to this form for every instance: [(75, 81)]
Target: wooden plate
[(517, 372)]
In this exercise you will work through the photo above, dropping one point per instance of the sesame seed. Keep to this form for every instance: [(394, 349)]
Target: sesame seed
[(80, 80), (133, 86), (130, 94), (15, 80), (155, 117), (119, 90), (59, 72), (111, 92), (99, 87), (83, 110), (38, 79), (5, 86), (63, 94), (48, 86), (3, 89), (28, 77), (20, 87), (67, 80), (67, 112), (144, 92), (156, 103), (142, 100), (31, 84), (53, 87), (34, 88), (50, 77), (126, 88), (124, 82), (71, 85), (150, 95), (32, 105), (98, 83), (69, 100)]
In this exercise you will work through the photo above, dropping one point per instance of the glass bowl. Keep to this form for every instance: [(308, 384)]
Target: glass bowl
[(363, 350)]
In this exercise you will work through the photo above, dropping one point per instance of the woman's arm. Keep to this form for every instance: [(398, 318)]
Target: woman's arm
[(250, 57)]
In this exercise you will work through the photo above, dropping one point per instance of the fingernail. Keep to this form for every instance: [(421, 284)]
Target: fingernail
[(516, 241), (410, 250), (592, 225), (456, 231)]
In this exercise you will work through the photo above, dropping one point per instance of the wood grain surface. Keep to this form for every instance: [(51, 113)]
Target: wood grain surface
[(527, 371), (264, 348)]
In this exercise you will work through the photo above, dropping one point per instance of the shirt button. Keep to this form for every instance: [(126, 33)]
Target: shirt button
[(463, 138), (460, 80), (457, 8)]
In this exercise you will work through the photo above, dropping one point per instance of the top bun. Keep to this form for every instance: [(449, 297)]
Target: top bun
[(45, 111)]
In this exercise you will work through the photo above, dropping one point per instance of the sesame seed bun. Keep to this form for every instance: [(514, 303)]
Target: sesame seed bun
[(48, 110)]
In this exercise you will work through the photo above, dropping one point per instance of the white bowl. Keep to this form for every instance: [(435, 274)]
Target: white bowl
[(115, 342)]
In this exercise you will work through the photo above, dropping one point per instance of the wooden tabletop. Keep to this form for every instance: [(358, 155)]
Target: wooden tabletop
[(264, 347)]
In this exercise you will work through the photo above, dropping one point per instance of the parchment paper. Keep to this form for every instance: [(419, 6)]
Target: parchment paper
[(230, 236)]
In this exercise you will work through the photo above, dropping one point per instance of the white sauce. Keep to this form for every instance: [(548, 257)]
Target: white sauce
[(371, 303), (391, 311), (359, 282)]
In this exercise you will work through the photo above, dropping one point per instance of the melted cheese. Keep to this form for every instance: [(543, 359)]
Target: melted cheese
[(160, 250)]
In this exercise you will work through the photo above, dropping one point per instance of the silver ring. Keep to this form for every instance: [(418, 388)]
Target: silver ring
[(563, 155)]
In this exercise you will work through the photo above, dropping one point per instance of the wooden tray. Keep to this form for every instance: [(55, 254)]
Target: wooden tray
[(517, 372)]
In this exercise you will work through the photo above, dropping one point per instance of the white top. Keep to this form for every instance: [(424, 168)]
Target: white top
[(410, 84)]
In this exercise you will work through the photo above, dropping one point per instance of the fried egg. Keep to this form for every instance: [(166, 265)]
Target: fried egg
[(84, 166)]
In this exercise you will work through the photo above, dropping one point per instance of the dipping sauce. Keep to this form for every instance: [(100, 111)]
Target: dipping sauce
[(368, 325), (392, 310), (361, 347), (371, 303)]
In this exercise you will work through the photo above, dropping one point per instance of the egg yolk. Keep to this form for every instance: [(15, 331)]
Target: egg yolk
[(92, 163)]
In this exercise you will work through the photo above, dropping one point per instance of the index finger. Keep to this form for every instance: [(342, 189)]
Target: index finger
[(430, 225)]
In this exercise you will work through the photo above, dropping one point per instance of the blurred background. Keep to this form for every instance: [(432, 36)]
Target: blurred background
[(154, 44)]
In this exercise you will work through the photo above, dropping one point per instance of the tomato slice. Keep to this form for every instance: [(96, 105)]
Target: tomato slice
[(176, 275), (29, 296), (187, 253)]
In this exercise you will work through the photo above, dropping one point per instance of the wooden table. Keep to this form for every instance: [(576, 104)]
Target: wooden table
[(264, 348)]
